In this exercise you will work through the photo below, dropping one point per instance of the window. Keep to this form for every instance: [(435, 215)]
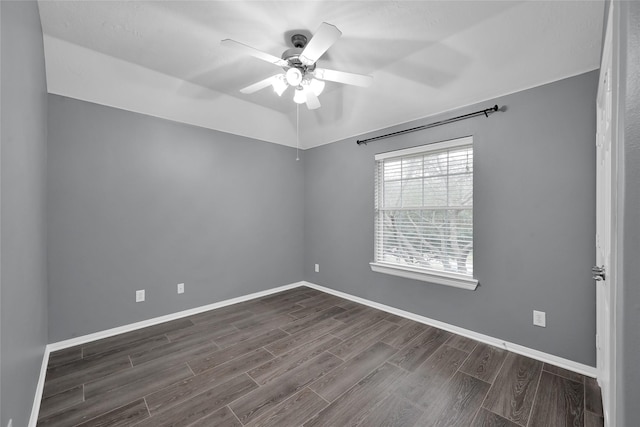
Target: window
[(424, 213)]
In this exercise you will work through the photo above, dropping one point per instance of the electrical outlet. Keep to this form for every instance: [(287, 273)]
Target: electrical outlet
[(317, 268), (10, 423), (181, 288), (540, 318), (140, 295)]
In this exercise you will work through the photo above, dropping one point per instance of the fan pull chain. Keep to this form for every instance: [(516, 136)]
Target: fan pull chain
[(297, 132)]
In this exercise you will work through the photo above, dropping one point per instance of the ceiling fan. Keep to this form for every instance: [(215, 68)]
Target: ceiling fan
[(299, 67)]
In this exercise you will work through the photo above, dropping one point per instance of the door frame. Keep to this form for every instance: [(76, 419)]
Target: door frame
[(606, 318)]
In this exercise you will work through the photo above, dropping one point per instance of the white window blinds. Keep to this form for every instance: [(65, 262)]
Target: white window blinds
[(424, 208)]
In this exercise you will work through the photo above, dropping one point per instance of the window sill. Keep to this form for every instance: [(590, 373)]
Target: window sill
[(441, 278)]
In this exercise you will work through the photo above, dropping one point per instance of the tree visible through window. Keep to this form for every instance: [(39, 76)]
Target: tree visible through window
[(424, 207)]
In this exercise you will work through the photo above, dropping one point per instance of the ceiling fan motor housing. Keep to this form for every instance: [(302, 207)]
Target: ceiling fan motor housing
[(292, 57)]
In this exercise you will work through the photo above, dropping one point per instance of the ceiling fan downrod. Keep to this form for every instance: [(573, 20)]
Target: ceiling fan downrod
[(299, 41)]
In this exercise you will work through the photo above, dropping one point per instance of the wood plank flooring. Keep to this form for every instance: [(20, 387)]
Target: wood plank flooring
[(306, 358)]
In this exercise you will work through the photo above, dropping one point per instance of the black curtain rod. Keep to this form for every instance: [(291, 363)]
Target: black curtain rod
[(486, 112)]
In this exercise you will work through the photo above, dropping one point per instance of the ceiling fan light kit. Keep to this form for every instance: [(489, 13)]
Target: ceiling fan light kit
[(299, 66)]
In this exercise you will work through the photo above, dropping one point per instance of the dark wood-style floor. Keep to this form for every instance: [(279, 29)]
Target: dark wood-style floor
[(303, 357)]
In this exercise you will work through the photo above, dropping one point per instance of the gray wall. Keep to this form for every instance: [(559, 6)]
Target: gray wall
[(534, 220), (627, 62), (23, 290), (136, 202)]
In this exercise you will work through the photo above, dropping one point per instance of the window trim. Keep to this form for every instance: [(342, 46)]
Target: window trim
[(431, 276), (431, 148)]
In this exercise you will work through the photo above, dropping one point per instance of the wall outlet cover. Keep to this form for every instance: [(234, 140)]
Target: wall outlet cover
[(140, 295), (317, 268), (540, 318), (181, 288), (10, 423)]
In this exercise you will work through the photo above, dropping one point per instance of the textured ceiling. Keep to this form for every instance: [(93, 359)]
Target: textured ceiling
[(165, 59)]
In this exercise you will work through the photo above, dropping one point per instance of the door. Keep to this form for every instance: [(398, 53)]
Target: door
[(604, 270)]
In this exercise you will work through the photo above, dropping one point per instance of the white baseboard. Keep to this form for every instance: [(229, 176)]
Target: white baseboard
[(156, 320), (580, 368), (60, 345), (35, 409), (516, 348)]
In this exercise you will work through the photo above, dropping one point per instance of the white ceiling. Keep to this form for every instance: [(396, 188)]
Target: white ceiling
[(165, 59)]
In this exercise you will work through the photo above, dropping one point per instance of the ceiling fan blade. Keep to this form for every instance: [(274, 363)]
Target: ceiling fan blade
[(322, 40), (259, 85), (241, 47), (342, 77), (313, 102)]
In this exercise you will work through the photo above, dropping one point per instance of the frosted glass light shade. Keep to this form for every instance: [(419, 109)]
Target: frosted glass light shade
[(299, 97), (294, 76), (279, 84), (317, 86)]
